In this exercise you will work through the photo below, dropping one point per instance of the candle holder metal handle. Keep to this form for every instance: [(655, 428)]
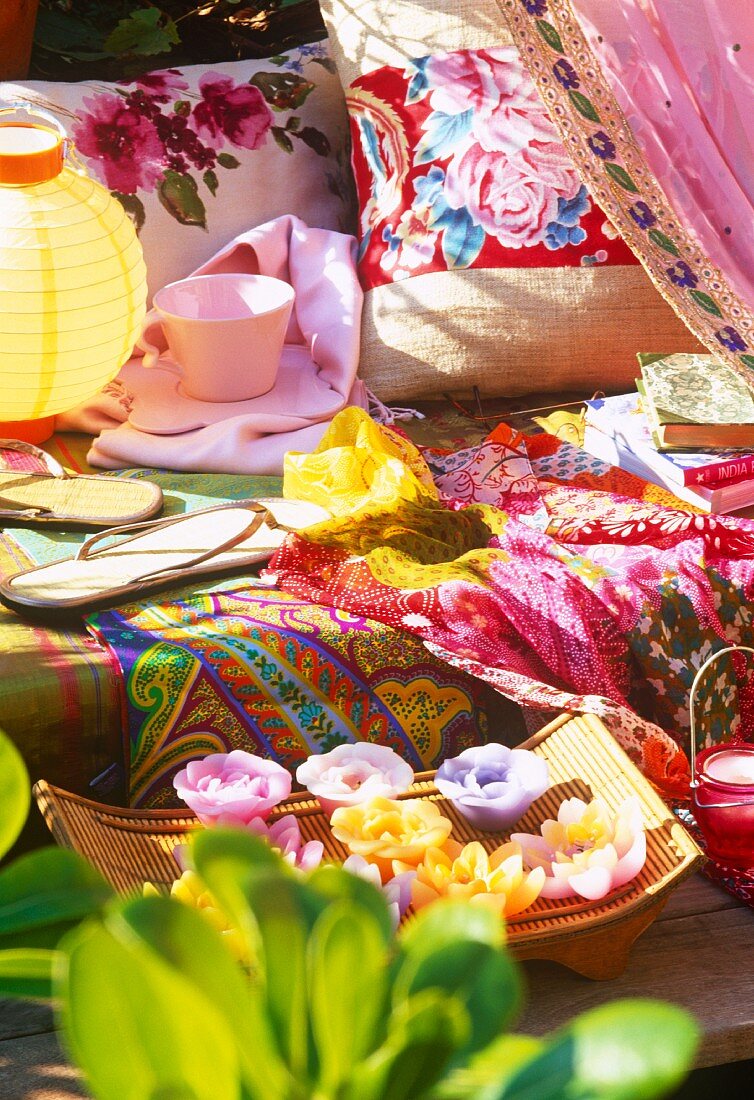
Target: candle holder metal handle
[(692, 711), (722, 788)]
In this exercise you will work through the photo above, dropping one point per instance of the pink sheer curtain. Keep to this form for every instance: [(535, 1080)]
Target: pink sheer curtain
[(683, 74), (654, 99)]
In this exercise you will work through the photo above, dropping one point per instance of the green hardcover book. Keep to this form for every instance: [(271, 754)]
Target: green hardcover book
[(696, 402)]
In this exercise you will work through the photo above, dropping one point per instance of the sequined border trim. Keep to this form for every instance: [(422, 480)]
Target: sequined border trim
[(595, 132)]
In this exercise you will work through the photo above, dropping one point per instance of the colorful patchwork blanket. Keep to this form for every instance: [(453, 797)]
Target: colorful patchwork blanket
[(562, 582)]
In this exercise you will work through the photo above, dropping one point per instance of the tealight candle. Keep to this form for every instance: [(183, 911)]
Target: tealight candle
[(731, 766)]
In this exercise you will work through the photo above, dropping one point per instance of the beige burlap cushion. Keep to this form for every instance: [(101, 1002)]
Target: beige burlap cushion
[(483, 258)]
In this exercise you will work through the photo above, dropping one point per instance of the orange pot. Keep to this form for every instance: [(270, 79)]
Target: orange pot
[(17, 19)]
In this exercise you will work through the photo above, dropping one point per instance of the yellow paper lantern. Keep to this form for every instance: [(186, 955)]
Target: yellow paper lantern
[(72, 276)]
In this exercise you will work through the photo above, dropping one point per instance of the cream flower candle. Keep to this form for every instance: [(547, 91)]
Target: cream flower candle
[(492, 785), (354, 773), (397, 891), (589, 850), (382, 831), (232, 788), (499, 881)]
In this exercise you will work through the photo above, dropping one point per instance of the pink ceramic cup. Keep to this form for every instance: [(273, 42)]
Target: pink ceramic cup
[(224, 332)]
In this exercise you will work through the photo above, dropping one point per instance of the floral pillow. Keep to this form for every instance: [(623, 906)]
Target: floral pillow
[(483, 257), (199, 154)]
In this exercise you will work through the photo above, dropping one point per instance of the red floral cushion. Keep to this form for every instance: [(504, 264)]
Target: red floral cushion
[(484, 259)]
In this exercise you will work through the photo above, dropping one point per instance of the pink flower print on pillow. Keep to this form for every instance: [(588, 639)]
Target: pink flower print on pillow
[(507, 203), (161, 85), (237, 112), (123, 141), (463, 81), (507, 113)]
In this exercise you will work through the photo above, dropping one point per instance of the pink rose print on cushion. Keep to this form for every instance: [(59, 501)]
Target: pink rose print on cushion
[(237, 112), (499, 197), (124, 143), (463, 80), (507, 111)]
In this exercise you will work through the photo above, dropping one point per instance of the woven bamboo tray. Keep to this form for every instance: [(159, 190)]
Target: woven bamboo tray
[(131, 847)]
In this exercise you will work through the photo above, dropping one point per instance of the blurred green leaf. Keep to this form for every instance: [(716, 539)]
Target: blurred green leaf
[(227, 160), (492, 1066), (347, 978), (332, 883), (275, 910), (26, 973), (145, 31), (458, 948), (15, 793), (627, 1050), (43, 893), (136, 1027), (198, 953), (424, 1033)]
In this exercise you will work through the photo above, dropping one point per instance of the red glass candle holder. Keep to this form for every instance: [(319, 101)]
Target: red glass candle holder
[(723, 803), (722, 789)]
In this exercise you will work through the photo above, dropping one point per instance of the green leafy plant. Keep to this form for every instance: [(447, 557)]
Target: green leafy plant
[(133, 31), (42, 894), (332, 1005)]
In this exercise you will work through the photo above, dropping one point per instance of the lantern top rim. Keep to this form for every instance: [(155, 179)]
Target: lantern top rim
[(30, 153)]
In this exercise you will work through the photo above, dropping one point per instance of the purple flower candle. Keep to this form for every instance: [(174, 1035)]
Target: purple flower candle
[(492, 785)]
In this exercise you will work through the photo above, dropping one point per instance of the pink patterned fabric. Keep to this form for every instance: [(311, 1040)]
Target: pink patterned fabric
[(683, 75)]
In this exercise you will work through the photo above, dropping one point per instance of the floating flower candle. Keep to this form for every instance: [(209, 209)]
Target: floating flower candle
[(397, 891), (350, 774), (232, 788), (589, 850), (284, 835), (492, 785), (498, 881), (382, 831)]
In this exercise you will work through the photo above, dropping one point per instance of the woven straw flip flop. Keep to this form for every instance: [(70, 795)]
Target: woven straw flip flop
[(229, 537), (71, 500)]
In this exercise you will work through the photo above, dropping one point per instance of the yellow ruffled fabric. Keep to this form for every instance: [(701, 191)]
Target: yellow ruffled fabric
[(382, 497)]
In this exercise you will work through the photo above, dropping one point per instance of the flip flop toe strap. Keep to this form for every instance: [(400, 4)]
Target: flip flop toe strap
[(262, 516), (51, 464), (16, 509)]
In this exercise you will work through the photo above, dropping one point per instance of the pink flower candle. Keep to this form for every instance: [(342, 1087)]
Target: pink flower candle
[(232, 788)]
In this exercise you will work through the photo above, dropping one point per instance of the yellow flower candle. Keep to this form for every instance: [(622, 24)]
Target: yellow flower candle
[(190, 890), (497, 880), (383, 830)]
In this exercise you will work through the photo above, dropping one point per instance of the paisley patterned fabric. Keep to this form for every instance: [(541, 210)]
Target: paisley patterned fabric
[(572, 589), (276, 675)]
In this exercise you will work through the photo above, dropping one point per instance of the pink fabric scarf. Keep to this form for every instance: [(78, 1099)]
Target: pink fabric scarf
[(158, 427)]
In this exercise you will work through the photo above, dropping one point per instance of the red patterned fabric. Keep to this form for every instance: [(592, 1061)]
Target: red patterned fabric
[(457, 165)]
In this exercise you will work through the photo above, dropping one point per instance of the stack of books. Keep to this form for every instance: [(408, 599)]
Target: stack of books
[(689, 427)]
